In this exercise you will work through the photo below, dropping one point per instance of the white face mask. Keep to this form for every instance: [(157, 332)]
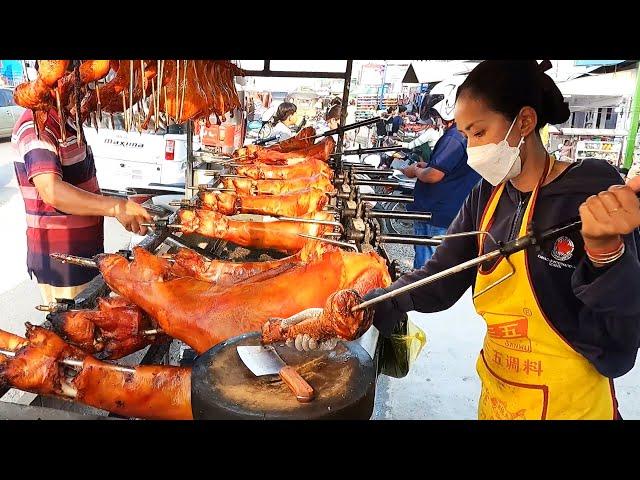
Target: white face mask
[(496, 162)]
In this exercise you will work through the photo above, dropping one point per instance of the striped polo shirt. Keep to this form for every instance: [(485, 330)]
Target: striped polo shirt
[(50, 230)]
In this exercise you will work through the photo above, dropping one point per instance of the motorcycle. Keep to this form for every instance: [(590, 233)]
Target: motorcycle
[(405, 186)]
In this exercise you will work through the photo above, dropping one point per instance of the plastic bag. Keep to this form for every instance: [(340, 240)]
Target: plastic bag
[(398, 352)]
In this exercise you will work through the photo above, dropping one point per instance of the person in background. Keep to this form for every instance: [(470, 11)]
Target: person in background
[(351, 111), (64, 204), (445, 181), (567, 149), (332, 119), (284, 119), (335, 101), (351, 135), (398, 119), (422, 146)]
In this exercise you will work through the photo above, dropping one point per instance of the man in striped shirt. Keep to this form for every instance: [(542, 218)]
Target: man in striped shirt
[(64, 205)]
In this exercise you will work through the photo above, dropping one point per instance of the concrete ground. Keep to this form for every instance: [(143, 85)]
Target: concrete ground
[(442, 383)]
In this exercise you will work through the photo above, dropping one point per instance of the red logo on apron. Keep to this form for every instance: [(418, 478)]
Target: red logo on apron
[(562, 249), (514, 329)]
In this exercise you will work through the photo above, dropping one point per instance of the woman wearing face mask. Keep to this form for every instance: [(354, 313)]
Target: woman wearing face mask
[(568, 320), (283, 120)]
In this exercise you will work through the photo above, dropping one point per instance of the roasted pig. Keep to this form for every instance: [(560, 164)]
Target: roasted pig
[(289, 205), (277, 235), (153, 392), (306, 168), (202, 315), (114, 330), (249, 186), (334, 321)]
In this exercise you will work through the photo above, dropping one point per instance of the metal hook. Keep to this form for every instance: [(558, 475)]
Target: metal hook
[(499, 281)]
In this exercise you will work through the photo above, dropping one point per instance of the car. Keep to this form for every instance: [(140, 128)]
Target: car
[(10, 113), (140, 161)]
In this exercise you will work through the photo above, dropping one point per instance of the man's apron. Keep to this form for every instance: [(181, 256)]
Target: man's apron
[(528, 371)]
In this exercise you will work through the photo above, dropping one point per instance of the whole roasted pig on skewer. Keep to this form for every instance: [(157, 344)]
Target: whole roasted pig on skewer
[(202, 315), (301, 140), (188, 263), (288, 205), (278, 235), (41, 365), (114, 330), (249, 186), (119, 327), (320, 151), (336, 320), (307, 168)]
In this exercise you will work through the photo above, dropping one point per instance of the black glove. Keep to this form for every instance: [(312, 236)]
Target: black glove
[(387, 313)]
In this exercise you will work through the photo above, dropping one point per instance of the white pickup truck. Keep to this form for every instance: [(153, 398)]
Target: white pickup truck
[(142, 161)]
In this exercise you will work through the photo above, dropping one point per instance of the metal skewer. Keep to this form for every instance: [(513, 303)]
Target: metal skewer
[(131, 73), (74, 260), (63, 123), (426, 281), (161, 224), (54, 307), (124, 111), (532, 238), (90, 263), (327, 240), (362, 151), (311, 220), (73, 363), (345, 128), (143, 82), (184, 83), (96, 85), (177, 88), (76, 90)]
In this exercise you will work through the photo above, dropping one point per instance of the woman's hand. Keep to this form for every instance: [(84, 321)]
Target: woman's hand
[(609, 215)]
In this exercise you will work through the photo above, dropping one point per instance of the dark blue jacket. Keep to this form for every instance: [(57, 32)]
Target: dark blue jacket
[(596, 310), (444, 198)]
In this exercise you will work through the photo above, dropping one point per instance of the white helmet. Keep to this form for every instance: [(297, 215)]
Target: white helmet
[(443, 96)]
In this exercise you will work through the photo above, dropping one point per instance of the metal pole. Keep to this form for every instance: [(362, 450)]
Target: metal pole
[(633, 128), (428, 280), (386, 198), (190, 157), (399, 215), (408, 240), (345, 101)]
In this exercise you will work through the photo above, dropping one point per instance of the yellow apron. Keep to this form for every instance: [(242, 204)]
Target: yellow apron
[(527, 369)]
